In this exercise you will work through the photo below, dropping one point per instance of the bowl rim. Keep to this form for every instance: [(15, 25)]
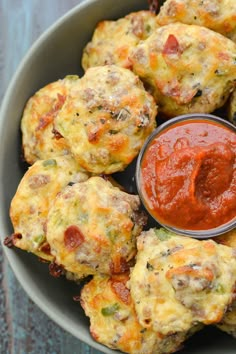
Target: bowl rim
[(199, 234)]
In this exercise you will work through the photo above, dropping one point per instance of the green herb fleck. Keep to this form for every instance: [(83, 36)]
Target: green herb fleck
[(39, 239), (148, 28), (113, 132), (49, 163), (72, 77), (110, 310), (163, 234), (219, 288)]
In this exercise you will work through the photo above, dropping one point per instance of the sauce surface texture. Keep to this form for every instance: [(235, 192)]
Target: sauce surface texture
[(188, 175)]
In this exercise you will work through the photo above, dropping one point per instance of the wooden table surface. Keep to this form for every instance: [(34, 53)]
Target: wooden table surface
[(24, 328)]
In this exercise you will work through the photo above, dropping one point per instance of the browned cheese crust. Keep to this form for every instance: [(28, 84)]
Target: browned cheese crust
[(113, 320), (106, 118), (39, 141), (178, 281), (189, 69), (112, 40), (218, 15)]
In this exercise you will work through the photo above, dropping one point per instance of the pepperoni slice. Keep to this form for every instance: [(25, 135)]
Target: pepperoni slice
[(121, 291), (73, 237), (171, 46)]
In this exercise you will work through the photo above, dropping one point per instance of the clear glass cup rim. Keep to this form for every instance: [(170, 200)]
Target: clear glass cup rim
[(208, 233)]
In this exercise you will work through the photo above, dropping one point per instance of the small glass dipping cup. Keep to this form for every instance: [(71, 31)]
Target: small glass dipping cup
[(167, 126)]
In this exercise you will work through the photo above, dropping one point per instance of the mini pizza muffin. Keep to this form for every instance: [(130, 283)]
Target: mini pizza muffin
[(232, 108), (39, 142), (113, 40), (92, 227), (188, 68), (178, 281), (35, 193), (113, 321), (106, 118), (218, 15), (228, 322)]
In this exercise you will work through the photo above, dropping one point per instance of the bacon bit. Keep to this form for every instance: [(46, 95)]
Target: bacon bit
[(121, 291), (119, 265), (10, 240), (93, 137), (171, 46), (45, 248), (56, 270), (153, 6), (76, 298), (172, 89), (73, 237), (48, 117), (44, 121), (60, 101), (56, 134), (223, 56)]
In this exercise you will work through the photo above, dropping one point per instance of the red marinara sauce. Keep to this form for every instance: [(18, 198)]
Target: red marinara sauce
[(188, 175)]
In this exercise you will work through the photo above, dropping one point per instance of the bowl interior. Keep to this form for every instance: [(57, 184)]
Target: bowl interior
[(56, 54)]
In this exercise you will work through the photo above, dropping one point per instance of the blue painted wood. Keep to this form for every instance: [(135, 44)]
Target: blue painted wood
[(24, 328)]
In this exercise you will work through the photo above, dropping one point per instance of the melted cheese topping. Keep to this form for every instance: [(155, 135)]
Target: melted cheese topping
[(34, 196), (106, 119), (92, 227), (188, 68), (178, 281), (218, 15), (113, 320), (112, 41), (39, 141)]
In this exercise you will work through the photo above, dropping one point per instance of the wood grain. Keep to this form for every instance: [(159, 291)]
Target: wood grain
[(24, 328)]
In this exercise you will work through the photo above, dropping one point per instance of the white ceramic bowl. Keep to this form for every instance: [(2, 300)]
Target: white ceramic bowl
[(57, 53)]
